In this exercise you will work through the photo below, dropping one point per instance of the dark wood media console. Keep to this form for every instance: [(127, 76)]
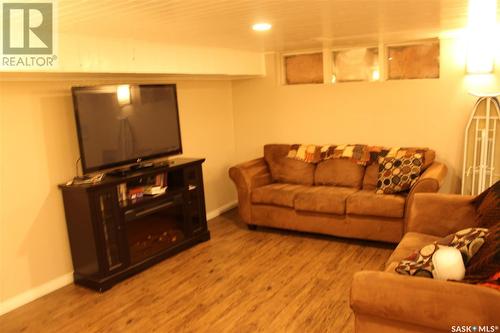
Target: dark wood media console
[(112, 237)]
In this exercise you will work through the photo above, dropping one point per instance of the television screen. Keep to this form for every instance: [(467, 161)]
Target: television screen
[(122, 124)]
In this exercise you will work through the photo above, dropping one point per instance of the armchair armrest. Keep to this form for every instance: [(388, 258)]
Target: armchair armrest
[(440, 214), (247, 176), (413, 301)]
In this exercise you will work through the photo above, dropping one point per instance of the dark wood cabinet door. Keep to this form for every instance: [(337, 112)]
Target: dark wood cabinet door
[(193, 178), (197, 220), (109, 229)]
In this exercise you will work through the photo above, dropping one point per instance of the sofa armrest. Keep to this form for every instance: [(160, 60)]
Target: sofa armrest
[(440, 214), (247, 176), (423, 302), (430, 181)]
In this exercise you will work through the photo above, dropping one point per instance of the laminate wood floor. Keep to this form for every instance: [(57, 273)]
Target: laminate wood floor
[(239, 281)]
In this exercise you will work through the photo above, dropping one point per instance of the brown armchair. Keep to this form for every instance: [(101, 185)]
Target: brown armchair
[(388, 302)]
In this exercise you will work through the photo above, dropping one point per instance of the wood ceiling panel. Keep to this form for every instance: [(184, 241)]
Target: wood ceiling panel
[(227, 23)]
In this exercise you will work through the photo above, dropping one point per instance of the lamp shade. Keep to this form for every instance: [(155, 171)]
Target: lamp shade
[(448, 264), (123, 94)]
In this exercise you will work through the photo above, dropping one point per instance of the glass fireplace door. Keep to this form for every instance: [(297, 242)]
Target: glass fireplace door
[(154, 228)]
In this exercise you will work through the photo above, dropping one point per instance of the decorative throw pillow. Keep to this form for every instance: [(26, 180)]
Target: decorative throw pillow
[(467, 241), (419, 263), (486, 262), (305, 153), (398, 174), (428, 155), (488, 206)]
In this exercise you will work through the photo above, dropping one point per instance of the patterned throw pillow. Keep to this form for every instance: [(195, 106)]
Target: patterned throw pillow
[(486, 262), (468, 241), (419, 263), (398, 174)]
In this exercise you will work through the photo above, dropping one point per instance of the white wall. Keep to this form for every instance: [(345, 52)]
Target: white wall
[(224, 121), (38, 147), (88, 54), (430, 113)]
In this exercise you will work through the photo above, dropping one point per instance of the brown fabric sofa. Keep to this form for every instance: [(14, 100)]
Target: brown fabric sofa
[(389, 302), (335, 197)]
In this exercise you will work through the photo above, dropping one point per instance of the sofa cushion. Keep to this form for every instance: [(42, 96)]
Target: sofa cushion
[(277, 194), (323, 199), (366, 202), (371, 177), (410, 242), (287, 170), (339, 172)]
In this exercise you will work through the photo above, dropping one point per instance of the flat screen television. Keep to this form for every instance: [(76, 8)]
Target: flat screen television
[(125, 124)]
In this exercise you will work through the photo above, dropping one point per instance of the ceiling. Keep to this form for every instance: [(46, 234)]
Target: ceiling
[(227, 23)]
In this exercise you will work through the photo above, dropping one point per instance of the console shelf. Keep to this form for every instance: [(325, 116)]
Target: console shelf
[(113, 237)]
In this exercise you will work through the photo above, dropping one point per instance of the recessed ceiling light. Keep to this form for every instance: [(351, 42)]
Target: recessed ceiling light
[(262, 26)]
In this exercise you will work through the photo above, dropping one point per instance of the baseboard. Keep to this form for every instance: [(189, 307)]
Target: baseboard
[(34, 293), (222, 209)]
